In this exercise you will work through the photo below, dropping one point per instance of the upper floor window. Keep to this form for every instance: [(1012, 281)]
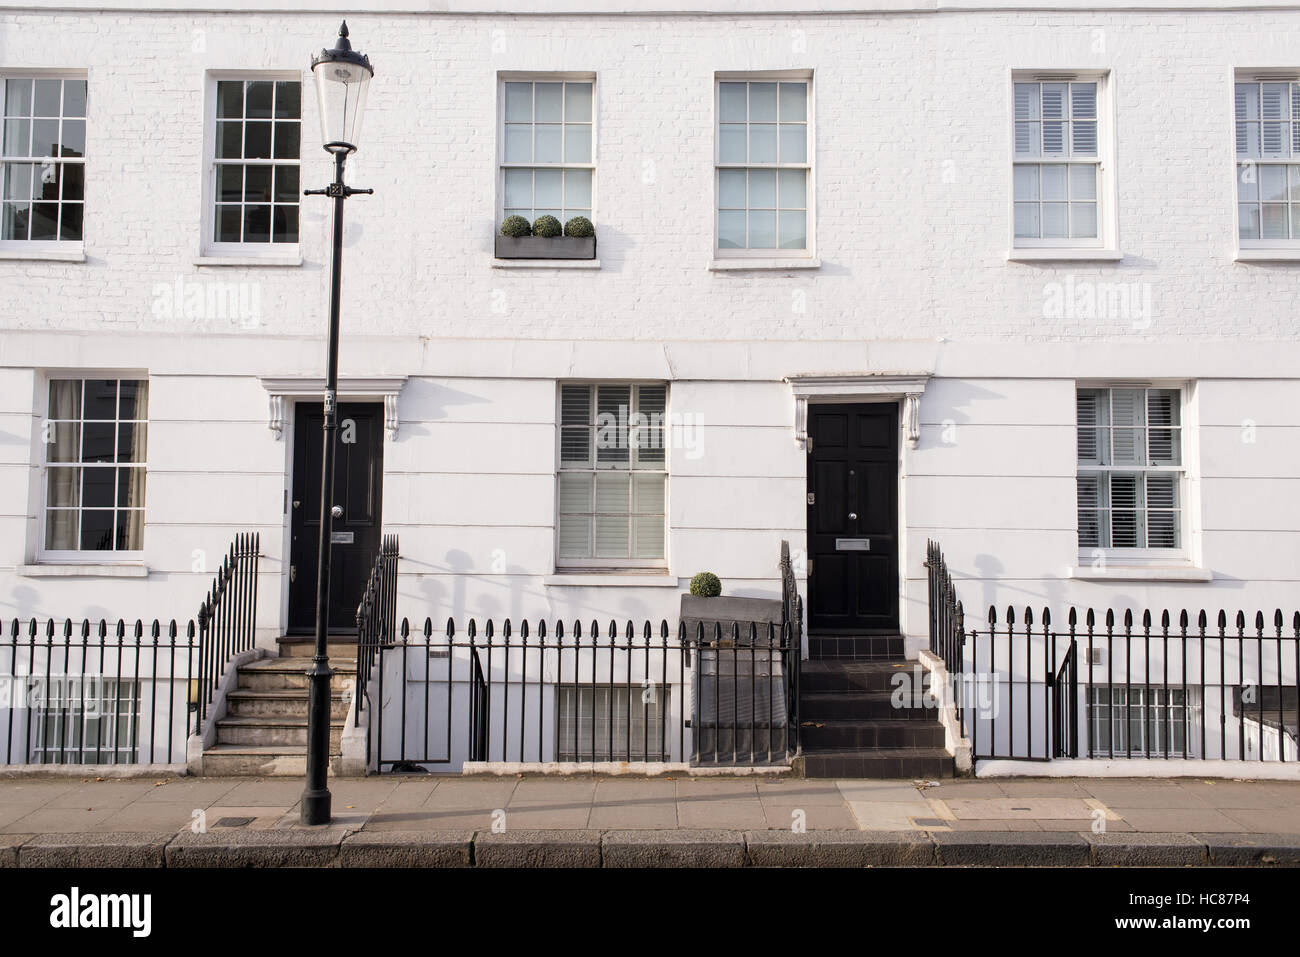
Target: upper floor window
[(1059, 184), (547, 148), (764, 169), (42, 198), (1130, 479), (612, 474), (95, 440), (1268, 162), (254, 185)]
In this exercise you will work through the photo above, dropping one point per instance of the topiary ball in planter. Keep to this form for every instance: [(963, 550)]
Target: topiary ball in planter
[(547, 226), (706, 585), (516, 226), (579, 227)]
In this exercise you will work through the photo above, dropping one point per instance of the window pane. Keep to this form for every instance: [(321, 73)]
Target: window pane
[(794, 143), (731, 229), (18, 137), (519, 102), (257, 224), (230, 99), (257, 140), (519, 144), (1083, 220), (1084, 138), (1055, 220), (577, 144), (1248, 222), (1083, 100), (575, 492), (793, 229), (613, 493), (577, 102), (519, 188), (577, 190), (575, 536), (731, 188), (1083, 182), (762, 102), (548, 188), (1053, 182), (1027, 220), (257, 99), (288, 139), (762, 189), (793, 184), (257, 183), (762, 229), (1026, 182), (65, 442), (47, 97), (286, 184), (18, 97), (548, 102), (230, 183), (612, 533), (546, 143), (731, 103), (1054, 96), (288, 99), (1273, 221), (1027, 100), (649, 536), (762, 143), (731, 143), (1054, 139), (133, 399), (1028, 139), (97, 530), (18, 181), (794, 102), (45, 137)]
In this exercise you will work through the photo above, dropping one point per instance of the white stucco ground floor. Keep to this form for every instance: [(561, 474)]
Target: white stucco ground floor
[(1042, 469)]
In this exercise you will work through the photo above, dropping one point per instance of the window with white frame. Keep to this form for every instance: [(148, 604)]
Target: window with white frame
[(91, 720), (547, 148), (43, 147), (1058, 183), (257, 137), (764, 168), (1268, 161), (612, 474), (1130, 473), (95, 441), (1143, 720), (611, 723)]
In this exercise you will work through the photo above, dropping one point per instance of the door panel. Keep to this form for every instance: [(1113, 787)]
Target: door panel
[(853, 518), (358, 489)]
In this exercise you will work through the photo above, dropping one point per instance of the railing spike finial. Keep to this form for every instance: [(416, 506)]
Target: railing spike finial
[(1277, 619), (1223, 619), (1259, 621), (1090, 619), (1047, 617), (993, 615), (1073, 618), (1128, 618)]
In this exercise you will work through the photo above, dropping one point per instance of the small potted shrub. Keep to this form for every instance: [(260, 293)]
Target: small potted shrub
[(706, 585), (546, 238)]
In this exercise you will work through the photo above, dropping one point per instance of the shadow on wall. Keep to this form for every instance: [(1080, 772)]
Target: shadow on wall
[(433, 399)]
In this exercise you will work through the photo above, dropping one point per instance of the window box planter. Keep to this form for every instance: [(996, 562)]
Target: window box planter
[(544, 247)]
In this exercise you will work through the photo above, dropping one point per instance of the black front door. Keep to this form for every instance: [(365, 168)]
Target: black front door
[(358, 486), (853, 518)]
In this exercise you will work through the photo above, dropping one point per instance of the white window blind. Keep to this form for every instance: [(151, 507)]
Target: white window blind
[(1057, 163), (591, 719), (1268, 162), (90, 722), (763, 165), (1130, 468), (1148, 720), (612, 474)]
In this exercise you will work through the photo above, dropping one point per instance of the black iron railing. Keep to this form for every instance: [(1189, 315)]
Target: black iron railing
[(1120, 686), (376, 618), (791, 626), (97, 693), (228, 616), (552, 693), (947, 633)]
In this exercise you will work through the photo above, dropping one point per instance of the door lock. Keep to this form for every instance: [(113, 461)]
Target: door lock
[(336, 511), (293, 572), (853, 516)]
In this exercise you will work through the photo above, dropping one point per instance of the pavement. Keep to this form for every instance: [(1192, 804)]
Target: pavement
[(541, 820)]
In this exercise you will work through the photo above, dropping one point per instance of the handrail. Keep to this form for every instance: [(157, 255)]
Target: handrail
[(227, 616), (376, 618)]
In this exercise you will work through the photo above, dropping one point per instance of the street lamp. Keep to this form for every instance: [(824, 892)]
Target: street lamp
[(342, 78)]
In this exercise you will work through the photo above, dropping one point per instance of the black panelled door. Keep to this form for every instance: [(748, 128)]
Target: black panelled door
[(358, 488), (853, 518)]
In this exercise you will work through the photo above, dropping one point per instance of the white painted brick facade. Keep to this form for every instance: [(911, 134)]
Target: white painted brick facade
[(912, 172)]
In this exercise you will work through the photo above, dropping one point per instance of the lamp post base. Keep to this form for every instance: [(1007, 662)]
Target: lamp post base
[(315, 808)]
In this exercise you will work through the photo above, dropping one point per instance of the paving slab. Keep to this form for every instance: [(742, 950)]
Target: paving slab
[(102, 794), (95, 850), (680, 847), (423, 848), (270, 847), (1285, 820), (1010, 849), (722, 813), (409, 794), (1145, 850), (62, 820), (630, 815), (839, 849), (1248, 850), (1143, 794), (886, 816), (814, 817), (1178, 820), (541, 848)]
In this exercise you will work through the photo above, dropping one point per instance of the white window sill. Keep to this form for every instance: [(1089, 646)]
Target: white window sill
[(75, 254), (613, 577), (1254, 255), (248, 260), (739, 264), (1140, 573), (87, 570), (545, 263), (1046, 254)]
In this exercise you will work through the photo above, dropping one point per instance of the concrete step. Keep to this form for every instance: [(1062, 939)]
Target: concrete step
[(279, 731), (851, 675), (855, 646), (279, 702), (841, 734), (304, 646), (926, 764), (271, 674), (230, 760), (864, 705)]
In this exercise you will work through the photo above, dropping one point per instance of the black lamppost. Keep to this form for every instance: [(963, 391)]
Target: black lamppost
[(342, 78)]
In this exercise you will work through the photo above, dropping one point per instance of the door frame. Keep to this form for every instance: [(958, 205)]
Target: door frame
[(284, 394), (901, 390)]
